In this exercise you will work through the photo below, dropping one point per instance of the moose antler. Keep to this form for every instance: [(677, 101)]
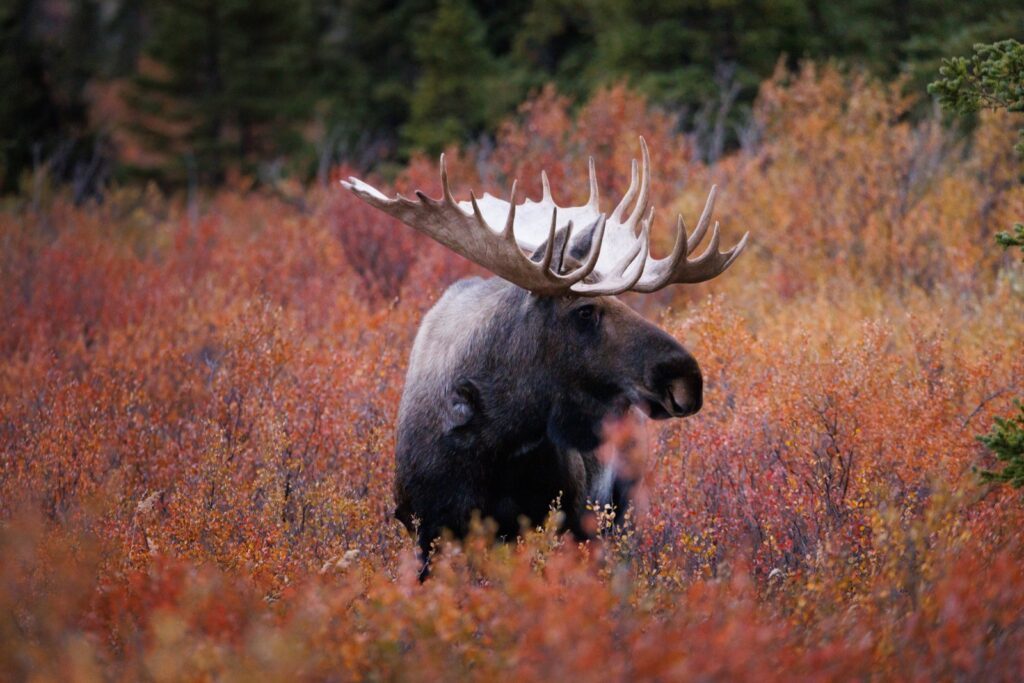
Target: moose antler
[(617, 258)]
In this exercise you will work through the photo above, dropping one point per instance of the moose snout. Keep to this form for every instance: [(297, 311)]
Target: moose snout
[(679, 386)]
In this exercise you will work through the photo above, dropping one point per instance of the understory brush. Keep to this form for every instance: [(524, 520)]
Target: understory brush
[(197, 407)]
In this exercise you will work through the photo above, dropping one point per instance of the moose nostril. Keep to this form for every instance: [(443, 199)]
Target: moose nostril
[(686, 395), (680, 384)]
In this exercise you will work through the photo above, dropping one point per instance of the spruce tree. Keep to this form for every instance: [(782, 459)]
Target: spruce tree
[(43, 74), (224, 85), (459, 91), (992, 78)]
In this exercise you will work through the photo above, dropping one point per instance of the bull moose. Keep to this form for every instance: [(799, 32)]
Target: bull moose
[(511, 378)]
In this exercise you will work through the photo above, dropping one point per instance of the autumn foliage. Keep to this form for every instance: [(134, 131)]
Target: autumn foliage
[(197, 402)]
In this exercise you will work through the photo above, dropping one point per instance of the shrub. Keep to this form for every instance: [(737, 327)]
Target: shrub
[(197, 410)]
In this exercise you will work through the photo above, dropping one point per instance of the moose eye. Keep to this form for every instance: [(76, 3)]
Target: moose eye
[(586, 314)]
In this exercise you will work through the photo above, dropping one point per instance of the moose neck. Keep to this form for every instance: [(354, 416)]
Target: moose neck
[(516, 368), (521, 345)]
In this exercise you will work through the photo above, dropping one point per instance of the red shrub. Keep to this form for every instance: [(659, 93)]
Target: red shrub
[(197, 407)]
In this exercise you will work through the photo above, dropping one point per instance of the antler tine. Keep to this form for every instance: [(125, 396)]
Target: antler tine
[(427, 202), (628, 197), (678, 269), (549, 245), (641, 263), (705, 219), (594, 201), (664, 268), (615, 273), (630, 256), (712, 251), (628, 281), (476, 210), (446, 190), (645, 186), (708, 265), (619, 282), (508, 232), (736, 250), (588, 266), (546, 187), (565, 248)]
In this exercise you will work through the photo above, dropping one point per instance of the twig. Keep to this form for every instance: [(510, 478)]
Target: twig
[(991, 397)]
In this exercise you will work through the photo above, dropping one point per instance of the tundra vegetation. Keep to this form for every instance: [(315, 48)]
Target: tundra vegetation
[(992, 78), (198, 399)]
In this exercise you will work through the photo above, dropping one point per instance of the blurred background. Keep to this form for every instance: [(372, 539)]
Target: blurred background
[(194, 92)]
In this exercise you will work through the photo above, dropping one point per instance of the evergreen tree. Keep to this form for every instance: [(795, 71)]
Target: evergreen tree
[(224, 87), (555, 42), (29, 116), (1006, 441), (231, 83), (992, 78), (43, 75), (365, 66), (459, 90)]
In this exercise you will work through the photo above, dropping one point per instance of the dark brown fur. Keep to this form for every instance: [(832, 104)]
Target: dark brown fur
[(505, 399)]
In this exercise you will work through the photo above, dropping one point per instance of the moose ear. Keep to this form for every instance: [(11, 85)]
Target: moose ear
[(571, 249), (463, 404), (562, 236), (580, 245)]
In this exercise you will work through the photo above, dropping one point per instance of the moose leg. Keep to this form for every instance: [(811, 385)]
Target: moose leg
[(574, 477), (611, 485), (434, 524), (623, 488), (426, 538), (425, 542)]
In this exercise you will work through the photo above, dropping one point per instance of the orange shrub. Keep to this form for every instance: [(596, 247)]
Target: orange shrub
[(197, 408)]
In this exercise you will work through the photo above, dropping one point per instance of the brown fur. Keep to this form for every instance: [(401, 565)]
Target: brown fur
[(505, 398)]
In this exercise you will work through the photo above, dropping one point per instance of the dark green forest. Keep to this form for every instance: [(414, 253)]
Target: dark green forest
[(192, 91)]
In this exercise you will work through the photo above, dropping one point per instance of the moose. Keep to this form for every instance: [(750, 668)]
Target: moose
[(511, 378)]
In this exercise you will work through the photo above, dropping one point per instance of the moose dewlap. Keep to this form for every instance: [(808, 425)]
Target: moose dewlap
[(511, 378)]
